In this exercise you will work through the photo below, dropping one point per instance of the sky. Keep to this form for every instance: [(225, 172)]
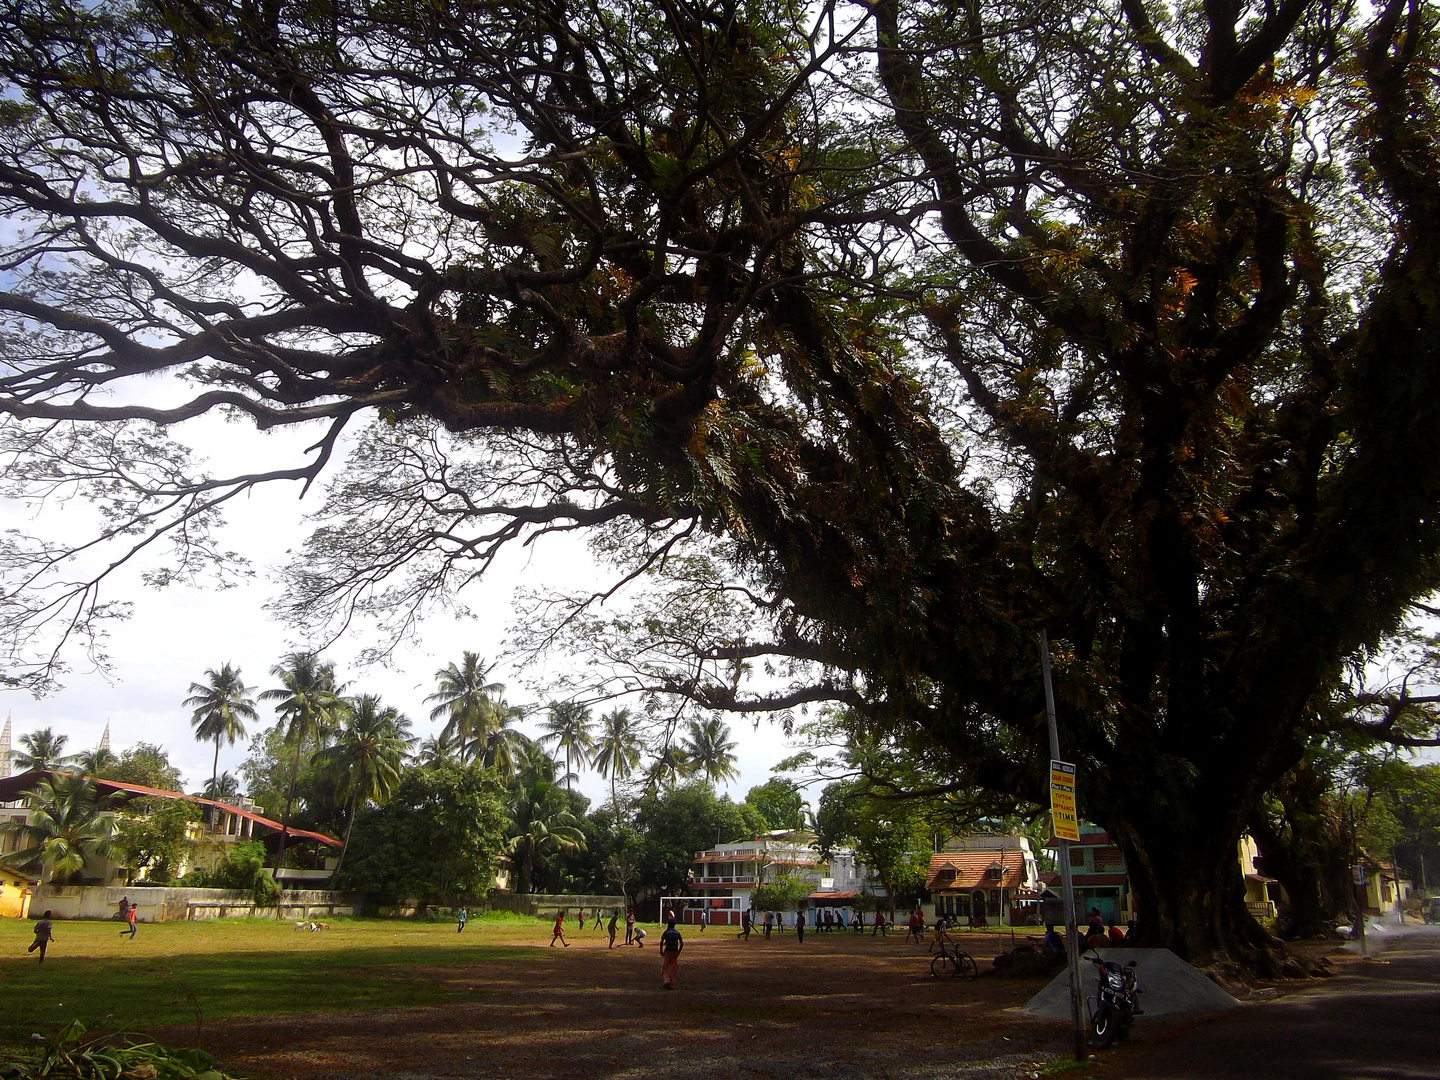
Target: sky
[(175, 634)]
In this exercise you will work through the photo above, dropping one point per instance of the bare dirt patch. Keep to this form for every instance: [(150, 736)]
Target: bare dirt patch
[(840, 1006)]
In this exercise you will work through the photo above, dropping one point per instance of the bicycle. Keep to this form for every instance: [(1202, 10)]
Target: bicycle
[(953, 963)]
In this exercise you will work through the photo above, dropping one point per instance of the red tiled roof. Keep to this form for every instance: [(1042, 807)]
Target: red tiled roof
[(833, 896), (972, 870)]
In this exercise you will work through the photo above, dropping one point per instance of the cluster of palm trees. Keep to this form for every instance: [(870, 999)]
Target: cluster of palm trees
[(363, 746), (361, 743), (616, 750)]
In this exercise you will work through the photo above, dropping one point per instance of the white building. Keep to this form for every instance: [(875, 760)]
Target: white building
[(724, 878)]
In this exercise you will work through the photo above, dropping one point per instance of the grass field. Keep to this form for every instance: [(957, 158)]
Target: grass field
[(173, 973)]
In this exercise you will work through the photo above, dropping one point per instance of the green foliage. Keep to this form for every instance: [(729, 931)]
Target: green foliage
[(241, 869), (893, 838), (678, 823), (544, 821), (781, 893), (145, 764), (66, 827), (265, 890), (69, 1055), (778, 801), (151, 835), (441, 835)]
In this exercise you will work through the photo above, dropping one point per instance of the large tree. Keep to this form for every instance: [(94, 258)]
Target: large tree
[(925, 327)]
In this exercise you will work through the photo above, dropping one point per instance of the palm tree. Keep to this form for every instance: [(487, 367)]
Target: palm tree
[(503, 744), (94, 762), (308, 708), (366, 757), (617, 750), (541, 821), (441, 749), (43, 750), (568, 727), (66, 825), (709, 750), (671, 765), (466, 701), (221, 705), (224, 786)]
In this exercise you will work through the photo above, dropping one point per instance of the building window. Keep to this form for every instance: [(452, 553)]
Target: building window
[(1077, 856)]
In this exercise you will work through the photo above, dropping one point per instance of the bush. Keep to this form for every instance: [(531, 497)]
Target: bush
[(265, 889)]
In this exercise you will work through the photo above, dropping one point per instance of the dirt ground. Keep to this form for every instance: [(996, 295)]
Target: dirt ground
[(841, 1006)]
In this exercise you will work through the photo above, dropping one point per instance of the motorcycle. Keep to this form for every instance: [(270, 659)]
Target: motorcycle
[(1116, 1001)]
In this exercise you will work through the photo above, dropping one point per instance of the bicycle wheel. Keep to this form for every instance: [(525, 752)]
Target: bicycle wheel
[(965, 965), (944, 964)]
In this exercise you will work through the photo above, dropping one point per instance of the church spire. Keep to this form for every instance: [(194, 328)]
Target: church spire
[(5, 748), (105, 738)]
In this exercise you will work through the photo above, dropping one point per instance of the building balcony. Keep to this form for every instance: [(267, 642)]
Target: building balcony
[(716, 879)]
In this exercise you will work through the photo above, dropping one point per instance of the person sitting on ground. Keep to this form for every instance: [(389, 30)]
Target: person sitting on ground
[(1116, 935), (1095, 937), (1130, 930), (1054, 943)]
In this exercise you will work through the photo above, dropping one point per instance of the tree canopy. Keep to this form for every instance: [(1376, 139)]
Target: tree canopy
[(879, 336)]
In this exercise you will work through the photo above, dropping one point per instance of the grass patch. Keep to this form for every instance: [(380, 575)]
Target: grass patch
[(184, 972)]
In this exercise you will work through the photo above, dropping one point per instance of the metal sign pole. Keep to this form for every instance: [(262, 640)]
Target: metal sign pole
[(1072, 927)]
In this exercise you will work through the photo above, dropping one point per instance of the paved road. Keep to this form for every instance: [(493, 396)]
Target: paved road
[(1381, 1023)]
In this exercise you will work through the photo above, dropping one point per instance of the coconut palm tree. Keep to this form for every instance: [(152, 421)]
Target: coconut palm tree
[(466, 701), (671, 765), (366, 757), (43, 750), (709, 750), (541, 820), (568, 727), (617, 750), (220, 706), (66, 826), (309, 707), (224, 786), (94, 762)]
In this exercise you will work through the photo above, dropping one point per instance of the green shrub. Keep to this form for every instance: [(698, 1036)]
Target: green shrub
[(265, 889)]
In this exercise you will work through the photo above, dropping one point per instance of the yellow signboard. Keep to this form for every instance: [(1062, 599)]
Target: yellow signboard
[(1062, 800)]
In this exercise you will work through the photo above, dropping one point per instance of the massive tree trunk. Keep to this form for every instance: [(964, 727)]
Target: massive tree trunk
[(1190, 895)]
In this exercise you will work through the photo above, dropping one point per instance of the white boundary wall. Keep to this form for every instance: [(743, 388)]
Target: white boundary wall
[(156, 904)]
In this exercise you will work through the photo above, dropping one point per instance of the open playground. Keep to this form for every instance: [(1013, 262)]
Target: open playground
[(391, 998)]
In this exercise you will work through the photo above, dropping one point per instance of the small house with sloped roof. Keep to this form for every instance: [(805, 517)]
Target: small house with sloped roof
[(985, 881)]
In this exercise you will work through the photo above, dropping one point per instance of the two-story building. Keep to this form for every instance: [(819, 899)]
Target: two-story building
[(723, 878), (1098, 875), (310, 856), (985, 880)]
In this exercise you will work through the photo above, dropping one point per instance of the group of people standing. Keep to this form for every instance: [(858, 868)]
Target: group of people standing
[(634, 935)]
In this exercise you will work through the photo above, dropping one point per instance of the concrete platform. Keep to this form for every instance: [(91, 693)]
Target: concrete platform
[(1168, 986)]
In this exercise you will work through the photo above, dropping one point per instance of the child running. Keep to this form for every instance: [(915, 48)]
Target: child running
[(44, 935), (558, 933), (130, 918), (670, 945), (461, 918)]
